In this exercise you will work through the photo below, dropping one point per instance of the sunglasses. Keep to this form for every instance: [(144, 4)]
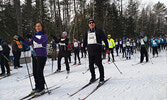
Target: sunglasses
[(91, 23)]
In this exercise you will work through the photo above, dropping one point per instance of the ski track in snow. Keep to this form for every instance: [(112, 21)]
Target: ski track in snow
[(139, 82)]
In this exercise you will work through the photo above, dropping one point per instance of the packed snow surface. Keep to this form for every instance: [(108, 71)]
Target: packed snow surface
[(147, 81)]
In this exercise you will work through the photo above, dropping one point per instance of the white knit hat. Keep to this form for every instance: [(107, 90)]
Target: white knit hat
[(65, 33), (15, 37)]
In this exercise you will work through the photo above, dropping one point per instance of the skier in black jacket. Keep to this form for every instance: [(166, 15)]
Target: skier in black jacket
[(93, 40), (63, 51), (4, 57)]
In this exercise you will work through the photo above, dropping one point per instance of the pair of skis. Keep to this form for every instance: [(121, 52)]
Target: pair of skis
[(31, 96), (96, 88), (139, 63), (2, 77)]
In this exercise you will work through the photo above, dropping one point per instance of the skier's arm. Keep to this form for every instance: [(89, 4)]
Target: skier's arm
[(85, 40), (27, 43)]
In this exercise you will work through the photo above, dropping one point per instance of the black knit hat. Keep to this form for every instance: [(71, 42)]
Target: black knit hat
[(91, 19)]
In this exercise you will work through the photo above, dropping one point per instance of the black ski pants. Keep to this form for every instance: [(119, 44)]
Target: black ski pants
[(96, 59), (16, 55), (38, 68), (4, 62), (143, 53), (65, 55)]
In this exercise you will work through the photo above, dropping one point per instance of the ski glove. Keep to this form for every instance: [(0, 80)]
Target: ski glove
[(20, 38), (29, 36), (107, 51)]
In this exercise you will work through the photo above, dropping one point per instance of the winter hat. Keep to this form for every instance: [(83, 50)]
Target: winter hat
[(142, 32), (91, 19), (65, 33), (15, 37), (109, 35)]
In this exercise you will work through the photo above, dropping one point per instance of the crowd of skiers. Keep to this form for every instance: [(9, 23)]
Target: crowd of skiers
[(96, 45)]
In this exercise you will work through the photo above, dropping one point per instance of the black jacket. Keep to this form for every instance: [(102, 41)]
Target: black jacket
[(63, 44), (95, 48), (6, 49)]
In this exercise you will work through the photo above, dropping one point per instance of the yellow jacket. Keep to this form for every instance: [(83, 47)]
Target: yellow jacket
[(111, 43)]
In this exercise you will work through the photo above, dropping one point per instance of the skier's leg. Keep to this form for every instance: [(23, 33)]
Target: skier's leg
[(78, 56), (67, 64), (98, 62), (59, 61), (142, 55), (41, 64), (146, 54), (112, 52), (91, 66), (35, 72), (75, 54), (6, 63), (2, 64)]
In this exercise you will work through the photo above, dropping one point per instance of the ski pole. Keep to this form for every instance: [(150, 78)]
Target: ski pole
[(28, 71), (7, 60), (52, 59), (117, 67)]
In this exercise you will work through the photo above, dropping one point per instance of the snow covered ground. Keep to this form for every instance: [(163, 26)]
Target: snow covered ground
[(140, 82)]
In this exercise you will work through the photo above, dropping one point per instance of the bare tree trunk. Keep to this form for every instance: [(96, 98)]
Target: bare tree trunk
[(60, 23), (29, 8), (18, 17)]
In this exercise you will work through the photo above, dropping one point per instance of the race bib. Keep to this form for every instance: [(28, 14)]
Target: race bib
[(116, 43), (92, 38), (124, 45), (142, 42), (134, 44), (75, 44), (120, 42), (154, 42), (128, 44), (37, 45), (82, 45), (1, 48), (109, 43)]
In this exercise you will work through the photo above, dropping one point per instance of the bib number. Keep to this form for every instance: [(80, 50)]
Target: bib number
[(154, 43), (92, 38), (36, 45), (142, 42), (1, 48), (75, 44)]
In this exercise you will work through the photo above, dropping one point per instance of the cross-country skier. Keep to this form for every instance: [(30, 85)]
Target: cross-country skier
[(154, 43), (76, 48), (120, 45), (111, 45), (93, 41), (83, 51), (69, 52), (4, 57), (143, 47), (16, 50), (39, 45), (134, 46), (124, 48), (131, 46), (63, 51), (117, 46), (128, 49)]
